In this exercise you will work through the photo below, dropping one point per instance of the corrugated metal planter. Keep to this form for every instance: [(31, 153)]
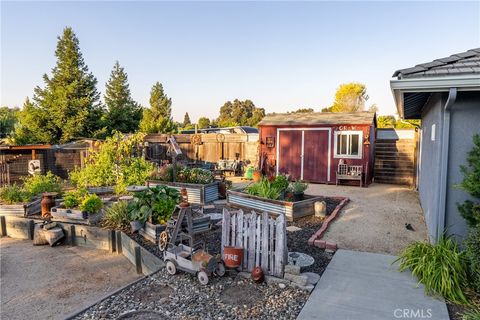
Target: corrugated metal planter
[(197, 193), (27, 209), (152, 231), (292, 210)]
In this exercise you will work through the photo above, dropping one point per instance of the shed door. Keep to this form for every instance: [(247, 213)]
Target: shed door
[(315, 156), (290, 152)]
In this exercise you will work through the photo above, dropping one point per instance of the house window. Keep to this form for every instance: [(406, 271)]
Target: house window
[(348, 144)]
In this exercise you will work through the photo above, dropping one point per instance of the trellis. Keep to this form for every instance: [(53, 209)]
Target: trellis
[(262, 236)]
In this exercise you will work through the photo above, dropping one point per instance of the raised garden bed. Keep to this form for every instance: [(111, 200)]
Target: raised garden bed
[(22, 209), (197, 193), (292, 210)]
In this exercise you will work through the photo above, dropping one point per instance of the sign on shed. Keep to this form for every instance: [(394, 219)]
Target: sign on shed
[(34, 167)]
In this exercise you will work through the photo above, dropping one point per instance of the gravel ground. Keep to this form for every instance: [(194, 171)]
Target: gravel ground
[(183, 297), (297, 240)]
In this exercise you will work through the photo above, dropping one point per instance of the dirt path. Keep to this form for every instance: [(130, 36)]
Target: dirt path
[(40, 282), (374, 220)]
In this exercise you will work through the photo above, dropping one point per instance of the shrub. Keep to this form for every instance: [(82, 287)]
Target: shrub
[(117, 162), (39, 184), (14, 194), (265, 189), (71, 200), (471, 314), (117, 215), (472, 252), (280, 182), (91, 204), (185, 175), (155, 203), (298, 187), (440, 267)]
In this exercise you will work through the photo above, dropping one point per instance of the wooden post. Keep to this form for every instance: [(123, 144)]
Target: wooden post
[(34, 154), (113, 242), (30, 226), (138, 259), (119, 242), (72, 235), (3, 226)]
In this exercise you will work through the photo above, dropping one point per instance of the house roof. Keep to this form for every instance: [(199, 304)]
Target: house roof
[(317, 118), (467, 62)]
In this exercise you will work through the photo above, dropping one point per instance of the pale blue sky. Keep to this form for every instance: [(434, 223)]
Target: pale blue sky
[(281, 55)]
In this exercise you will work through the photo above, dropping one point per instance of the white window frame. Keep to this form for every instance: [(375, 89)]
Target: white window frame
[(360, 144)]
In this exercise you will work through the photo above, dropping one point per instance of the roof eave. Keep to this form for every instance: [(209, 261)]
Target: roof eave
[(431, 84)]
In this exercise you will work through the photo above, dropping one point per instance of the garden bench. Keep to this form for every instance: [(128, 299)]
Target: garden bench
[(349, 172)]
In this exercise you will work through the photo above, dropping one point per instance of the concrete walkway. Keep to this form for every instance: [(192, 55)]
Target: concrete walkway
[(374, 219), (361, 285)]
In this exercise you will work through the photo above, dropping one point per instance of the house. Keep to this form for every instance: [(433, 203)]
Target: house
[(445, 95), (309, 146)]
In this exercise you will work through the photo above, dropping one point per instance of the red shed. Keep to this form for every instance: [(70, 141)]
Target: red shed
[(309, 146)]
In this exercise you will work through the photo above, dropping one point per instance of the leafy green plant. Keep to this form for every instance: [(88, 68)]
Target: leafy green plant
[(298, 187), (155, 203), (265, 189), (40, 183), (73, 199), (14, 194), (280, 182), (115, 162), (440, 267), (471, 314), (118, 215), (185, 175), (91, 204), (472, 252)]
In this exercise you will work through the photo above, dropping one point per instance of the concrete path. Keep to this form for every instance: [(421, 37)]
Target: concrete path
[(365, 286), (374, 220), (40, 282)]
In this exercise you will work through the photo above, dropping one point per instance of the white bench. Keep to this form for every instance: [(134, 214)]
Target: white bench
[(348, 172)]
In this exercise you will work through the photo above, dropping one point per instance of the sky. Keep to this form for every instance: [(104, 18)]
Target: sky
[(281, 55)]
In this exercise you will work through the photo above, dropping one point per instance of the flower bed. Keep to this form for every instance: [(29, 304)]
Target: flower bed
[(292, 210)]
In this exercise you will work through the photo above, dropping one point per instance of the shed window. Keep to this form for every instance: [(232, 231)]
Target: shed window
[(348, 144)]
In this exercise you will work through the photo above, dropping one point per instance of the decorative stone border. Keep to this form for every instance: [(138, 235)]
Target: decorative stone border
[(315, 239)]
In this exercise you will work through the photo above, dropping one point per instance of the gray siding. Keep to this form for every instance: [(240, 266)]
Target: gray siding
[(429, 172), (464, 123)]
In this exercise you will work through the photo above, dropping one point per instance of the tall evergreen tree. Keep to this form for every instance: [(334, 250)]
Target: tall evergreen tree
[(68, 106), (123, 113), (158, 118), (186, 120)]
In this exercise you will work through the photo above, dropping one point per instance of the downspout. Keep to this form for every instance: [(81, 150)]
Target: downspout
[(441, 214)]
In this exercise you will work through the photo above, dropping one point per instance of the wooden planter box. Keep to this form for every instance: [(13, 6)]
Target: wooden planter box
[(75, 214), (22, 209), (291, 210), (197, 193)]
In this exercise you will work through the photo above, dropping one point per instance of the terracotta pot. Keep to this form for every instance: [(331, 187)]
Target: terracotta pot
[(257, 176), (47, 203), (233, 256), (257, 274)]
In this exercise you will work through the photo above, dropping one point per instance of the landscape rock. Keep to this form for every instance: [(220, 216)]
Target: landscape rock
[(301, 280), (313, 278), (292, 269)]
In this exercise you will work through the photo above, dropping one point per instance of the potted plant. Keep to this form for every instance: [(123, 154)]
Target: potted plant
[(298, 189)]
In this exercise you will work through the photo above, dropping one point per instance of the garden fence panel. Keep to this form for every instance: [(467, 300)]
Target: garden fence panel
[(262, 237)]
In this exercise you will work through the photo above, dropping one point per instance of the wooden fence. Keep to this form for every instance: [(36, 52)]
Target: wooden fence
[(263, 238), (396, 156), (209, 147)]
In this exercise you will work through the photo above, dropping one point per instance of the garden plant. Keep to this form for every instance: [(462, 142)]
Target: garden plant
[(155, 204), (32, 186)]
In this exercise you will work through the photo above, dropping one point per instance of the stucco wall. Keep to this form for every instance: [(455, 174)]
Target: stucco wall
[(429, 173), (464, 122)]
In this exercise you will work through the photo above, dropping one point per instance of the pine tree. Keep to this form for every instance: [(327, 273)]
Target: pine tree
[(158, 118), (123, 113), (68, 106), (186, 120)]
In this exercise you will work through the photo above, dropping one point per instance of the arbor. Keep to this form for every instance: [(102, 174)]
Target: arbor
[(240, 113), (350, 97), (203, 123), (68, 106), (158, 118), (123, 113)]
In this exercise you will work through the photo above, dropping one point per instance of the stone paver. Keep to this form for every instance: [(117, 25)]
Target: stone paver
[(366, 286)]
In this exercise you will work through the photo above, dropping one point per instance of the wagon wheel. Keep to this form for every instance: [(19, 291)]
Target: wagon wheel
[(196, 139), (163, 240), (171, 268), (220, 269), (203, 277), (220, 137)]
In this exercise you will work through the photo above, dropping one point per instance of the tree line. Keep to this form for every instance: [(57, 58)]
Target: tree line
[(68, 106)]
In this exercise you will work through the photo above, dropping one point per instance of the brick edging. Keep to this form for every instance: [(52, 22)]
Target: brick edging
[(315, 238)]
